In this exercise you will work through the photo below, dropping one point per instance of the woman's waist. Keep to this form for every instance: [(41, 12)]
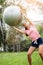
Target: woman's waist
[(33, 38)]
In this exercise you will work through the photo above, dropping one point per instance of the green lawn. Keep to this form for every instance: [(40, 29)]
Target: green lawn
[(19, 59)]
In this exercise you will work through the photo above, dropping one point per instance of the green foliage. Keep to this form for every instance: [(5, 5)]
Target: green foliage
[(1, 1), (40, 29)]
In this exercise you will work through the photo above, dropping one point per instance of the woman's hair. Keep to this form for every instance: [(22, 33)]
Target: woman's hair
[(26, 29)]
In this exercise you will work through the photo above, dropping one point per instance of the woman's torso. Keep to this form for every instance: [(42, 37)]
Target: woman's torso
[(32, 33)]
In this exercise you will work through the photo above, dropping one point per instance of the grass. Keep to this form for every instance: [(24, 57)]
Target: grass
[(19, 59)]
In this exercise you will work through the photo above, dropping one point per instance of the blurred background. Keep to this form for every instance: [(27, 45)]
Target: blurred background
[(11, 40)]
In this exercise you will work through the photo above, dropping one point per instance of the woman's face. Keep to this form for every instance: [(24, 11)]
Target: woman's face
[(26, 25)]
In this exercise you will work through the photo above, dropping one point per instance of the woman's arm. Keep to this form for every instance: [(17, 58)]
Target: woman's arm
[(19, 30), (31, 22)]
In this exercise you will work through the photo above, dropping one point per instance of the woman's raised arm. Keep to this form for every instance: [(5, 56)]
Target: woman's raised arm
[(21, 31)]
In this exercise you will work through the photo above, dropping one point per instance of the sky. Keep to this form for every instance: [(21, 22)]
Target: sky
[(35, 14)]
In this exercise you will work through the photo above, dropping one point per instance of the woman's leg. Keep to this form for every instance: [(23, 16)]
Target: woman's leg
[(41, 51), (30, 51)]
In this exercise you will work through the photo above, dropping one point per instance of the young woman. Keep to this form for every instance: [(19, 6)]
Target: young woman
[(37, 42)]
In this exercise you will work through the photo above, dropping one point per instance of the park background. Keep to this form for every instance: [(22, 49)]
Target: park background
[(14, 45)]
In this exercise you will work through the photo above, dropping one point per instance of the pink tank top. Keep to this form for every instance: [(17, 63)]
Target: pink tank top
[(32, 33)]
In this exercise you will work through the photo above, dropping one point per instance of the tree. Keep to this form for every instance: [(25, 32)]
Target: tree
[(1, 1), (3, 34)]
